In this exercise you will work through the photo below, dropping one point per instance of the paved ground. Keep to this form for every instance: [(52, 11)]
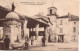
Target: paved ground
[(56, 47)]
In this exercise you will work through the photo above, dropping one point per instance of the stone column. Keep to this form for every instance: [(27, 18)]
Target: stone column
[(32, 29), (57, 38), (25, 28), (37, 31), (46, 33)]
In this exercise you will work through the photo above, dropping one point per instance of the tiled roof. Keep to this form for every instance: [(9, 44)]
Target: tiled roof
[(21, 16), (65, 16), (3, 8), (52, 7), (70, 17), (45, 18), (73, 18), (3, 12)]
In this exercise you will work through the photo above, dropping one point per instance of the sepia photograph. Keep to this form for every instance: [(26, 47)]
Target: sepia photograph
[(39, 25)]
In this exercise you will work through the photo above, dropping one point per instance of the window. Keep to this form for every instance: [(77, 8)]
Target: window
[(61, 22), (74, 29), (61, 30), (50, 11), (74, 22)]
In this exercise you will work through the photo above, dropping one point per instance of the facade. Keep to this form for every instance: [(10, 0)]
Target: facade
[(74, 29), (64, 28)]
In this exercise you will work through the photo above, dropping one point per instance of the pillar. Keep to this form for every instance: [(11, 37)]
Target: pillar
[(37, 31), (26, 32), (46, 33)]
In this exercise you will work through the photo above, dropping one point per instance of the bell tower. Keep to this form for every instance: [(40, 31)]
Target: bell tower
[(52, 14), (52, 10)]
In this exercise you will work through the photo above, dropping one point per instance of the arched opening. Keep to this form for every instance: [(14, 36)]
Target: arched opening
[(50, 11)]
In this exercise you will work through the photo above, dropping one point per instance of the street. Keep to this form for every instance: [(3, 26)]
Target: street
[(73, 46), (56, 47)]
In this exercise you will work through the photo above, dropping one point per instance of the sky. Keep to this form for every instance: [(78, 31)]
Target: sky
[(63, 6)]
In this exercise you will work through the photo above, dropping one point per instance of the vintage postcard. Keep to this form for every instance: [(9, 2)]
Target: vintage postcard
[(39, 25)]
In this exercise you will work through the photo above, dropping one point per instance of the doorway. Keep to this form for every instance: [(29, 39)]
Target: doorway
[(60, 38)]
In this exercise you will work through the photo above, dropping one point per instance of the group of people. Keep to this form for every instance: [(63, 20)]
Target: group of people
[(7, 42), (27, 42)]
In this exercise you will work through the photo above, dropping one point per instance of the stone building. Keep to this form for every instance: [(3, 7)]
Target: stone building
[(65, 28), (74, 29), (52, 15)]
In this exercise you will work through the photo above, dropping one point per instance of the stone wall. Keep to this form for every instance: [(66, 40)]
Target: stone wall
[(13, 29)]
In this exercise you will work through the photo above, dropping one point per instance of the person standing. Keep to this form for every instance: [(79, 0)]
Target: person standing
[(26, 42), (6, 42), (43, 41)]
